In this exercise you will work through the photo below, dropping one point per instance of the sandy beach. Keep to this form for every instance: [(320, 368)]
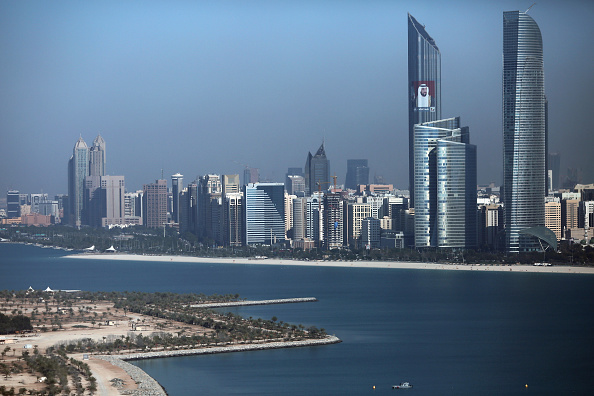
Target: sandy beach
[(565, 269)]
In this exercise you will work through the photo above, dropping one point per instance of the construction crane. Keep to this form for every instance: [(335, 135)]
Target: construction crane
[(320, 183)]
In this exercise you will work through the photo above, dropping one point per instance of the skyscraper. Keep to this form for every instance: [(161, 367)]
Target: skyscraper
[(154, 204), (524, 137), (97, 157), (357, 173), (264, 213), (177, 185), (445, 185), (424, 87), (78, 170), (317, 171)]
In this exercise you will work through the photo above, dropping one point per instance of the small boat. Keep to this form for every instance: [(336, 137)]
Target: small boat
[(403, 385)]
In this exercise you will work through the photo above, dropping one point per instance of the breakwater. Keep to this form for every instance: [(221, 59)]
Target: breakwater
[(150, 387), (257, 302)]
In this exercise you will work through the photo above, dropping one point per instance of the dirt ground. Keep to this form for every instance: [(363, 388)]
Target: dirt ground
[(109, 323)]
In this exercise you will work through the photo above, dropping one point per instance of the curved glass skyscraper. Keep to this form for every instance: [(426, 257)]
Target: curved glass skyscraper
[(424, 87), (523, 129)]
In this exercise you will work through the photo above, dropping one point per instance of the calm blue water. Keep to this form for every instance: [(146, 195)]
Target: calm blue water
[(447, 332)]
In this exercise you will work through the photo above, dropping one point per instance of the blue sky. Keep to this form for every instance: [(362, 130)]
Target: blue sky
[(202, 87)]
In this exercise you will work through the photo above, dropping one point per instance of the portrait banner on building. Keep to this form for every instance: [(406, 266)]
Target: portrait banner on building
[(423, 96)]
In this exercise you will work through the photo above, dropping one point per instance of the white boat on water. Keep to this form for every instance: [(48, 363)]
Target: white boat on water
[(403, 385)]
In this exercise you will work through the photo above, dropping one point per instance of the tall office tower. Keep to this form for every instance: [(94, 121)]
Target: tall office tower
[(78, 170), (333, 221), (177, 185), (317, 171), (314, 228), (356, 213), (113, 201), (299, 218), (264, 213), (357, 173), (188, 211), (209, 196), (233, 221), (523, 130), (154, 205), (13, 204), (445, 185), (424, 86), (35, 200), (555, 166), (370, 233), (97, 157)]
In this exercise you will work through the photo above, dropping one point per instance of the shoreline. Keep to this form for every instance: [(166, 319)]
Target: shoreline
[(147, 385), (565, 269)]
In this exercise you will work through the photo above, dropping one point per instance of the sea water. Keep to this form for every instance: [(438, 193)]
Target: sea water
[(446, 332)]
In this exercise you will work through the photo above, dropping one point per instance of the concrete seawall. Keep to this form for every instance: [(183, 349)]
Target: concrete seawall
[(258, 302), (150, 387)]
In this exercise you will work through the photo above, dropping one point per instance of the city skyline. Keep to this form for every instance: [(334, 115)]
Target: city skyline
[(201, 88)]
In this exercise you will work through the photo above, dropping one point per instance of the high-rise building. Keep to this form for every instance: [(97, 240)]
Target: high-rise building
[(424, 86), (553, 216), (230, 184), (264, 213), (317, 171), (113, 201), (209, 201), (78, 170), (233, 221), (154, 204), (177, 185), (524, 135), (97, 157), (333, 221), (357, 173), (445, 185), (13, 204)]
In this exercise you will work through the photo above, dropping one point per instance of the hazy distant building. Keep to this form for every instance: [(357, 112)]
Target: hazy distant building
[(251, 175), (295, 185), (356, 213), (299, 218), (177, 185), (524, 130), (317, 171), (424, 87), (445, 185), (154, 204), (264, 213), (78, 170), (357, 173)]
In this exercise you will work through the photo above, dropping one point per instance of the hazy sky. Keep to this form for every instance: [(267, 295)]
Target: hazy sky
[(202, 87)]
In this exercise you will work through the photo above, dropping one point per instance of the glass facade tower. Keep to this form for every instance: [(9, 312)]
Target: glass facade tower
[(524, 136), (424, 87), (78, 170), (445, 185), (264, 213)]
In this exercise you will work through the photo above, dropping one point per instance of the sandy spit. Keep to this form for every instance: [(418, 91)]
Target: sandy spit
[(565, 269)]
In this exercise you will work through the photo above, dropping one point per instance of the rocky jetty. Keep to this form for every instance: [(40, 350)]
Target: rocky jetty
[(149, 387)]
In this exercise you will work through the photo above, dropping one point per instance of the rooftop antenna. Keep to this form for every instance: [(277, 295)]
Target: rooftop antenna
[(526, 12)]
